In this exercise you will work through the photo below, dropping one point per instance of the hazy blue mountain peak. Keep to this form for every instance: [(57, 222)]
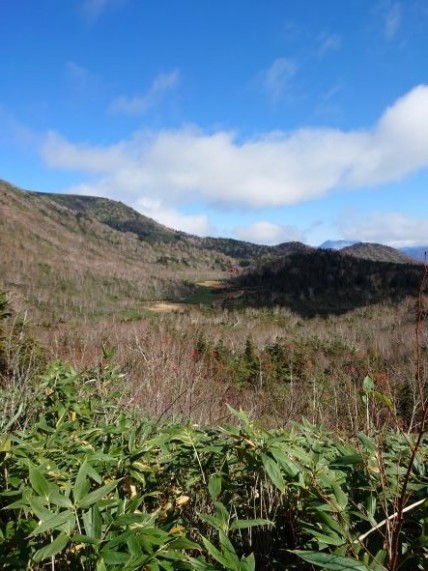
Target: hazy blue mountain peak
[(337, 244)]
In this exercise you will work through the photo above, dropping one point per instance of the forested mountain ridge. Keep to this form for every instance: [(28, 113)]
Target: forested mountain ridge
[(77, 255), (326, 282), (125, 219), (115, 215), (377, 253)]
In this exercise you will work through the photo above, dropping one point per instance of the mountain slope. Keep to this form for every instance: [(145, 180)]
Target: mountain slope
[(64, 264), (124, 219), (69, 257), (326, 282), (377, 253), (116, 215), (249, 252)]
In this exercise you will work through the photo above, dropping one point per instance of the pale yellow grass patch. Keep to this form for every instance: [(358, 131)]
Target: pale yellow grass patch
[(166, 307), (215, 284)]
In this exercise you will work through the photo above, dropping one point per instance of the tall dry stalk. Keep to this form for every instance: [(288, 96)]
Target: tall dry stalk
[(395, 522)]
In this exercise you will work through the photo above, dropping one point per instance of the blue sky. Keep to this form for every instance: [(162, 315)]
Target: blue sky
[(265, 121)]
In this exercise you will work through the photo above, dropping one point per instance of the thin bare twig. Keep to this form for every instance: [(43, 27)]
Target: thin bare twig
[(405, 495), (389, 518)]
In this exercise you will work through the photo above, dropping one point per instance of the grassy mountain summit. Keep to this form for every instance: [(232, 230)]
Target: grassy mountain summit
[(116, 215), (377, 253)]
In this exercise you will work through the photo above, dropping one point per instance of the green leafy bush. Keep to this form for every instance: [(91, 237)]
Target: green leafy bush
[(86, 486)]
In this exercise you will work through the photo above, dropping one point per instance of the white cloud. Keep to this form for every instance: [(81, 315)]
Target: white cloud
[(329, 43), (58, 152), (264, 232), (92, 9), (80, 79), (191, 223), (397, 146), (141, 104), (277, 77), (393, 17), (156, 208), (391, 228), (273, 170)]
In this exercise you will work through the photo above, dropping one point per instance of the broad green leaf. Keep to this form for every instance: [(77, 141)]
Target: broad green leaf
[(368, 384), (340, 496), (330, 561), (214, 521), (366, 442), (240, 415), (219, 521), (81, 485), (97, 495), (96, 522), (135, 520), (289, 465), (38, 506), (115, 557), (77, 538), (58, 499), (329, 521), (222, 512), (5, 442), (57, 545), (299, 453), (228, 548), (371, 503), (249, 563), (332, 539), (134, 546), (183, 543), (216, 554), (101, 566), (54, 522), (214, 485), (350, 459), (118, 540), (88, 523), (379, 560), (248, 523), (383, 399), (38, 482), (274, 472), (92, 473)]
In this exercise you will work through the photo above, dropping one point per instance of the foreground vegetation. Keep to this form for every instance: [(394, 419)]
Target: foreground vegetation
[(86, 486), (89, 483)]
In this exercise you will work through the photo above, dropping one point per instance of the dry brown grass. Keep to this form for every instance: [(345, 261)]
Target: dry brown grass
[(87, 287), (157, 356), (66, 267)]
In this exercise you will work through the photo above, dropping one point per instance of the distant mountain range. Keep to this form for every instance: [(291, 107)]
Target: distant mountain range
[(69, 256), (372, 251), (417, 252), (337, 244)]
